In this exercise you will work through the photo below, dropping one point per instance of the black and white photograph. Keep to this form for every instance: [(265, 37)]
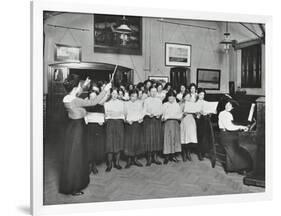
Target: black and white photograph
[(148, 108), (116, 129)]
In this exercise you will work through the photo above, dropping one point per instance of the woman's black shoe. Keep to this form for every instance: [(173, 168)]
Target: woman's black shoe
[(137, 163), (95, 170), (79, 193), (188, 156), (166, 161), (117, 166), (108, 169), (200, 157), (157, 162), (184, 156), (174, 159)]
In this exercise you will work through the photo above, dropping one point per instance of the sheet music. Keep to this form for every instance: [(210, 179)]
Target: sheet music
[(191, 107), (210, 107), (251, 113)]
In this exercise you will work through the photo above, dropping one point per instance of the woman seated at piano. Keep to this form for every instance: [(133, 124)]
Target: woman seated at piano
[(237, 158)]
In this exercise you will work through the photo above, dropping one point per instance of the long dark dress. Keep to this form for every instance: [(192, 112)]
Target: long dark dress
[(237, 158), (205, 135), (96, 137), (74, 174), (74, 171)]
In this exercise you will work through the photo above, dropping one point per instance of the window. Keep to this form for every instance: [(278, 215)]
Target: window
[(251, 67)]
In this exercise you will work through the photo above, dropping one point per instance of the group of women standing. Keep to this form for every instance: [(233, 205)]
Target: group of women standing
[(146, 119)]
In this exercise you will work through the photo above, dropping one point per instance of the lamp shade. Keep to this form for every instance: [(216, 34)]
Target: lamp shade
[(123, 29)]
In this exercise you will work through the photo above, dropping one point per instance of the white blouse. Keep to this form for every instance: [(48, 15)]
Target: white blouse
[(153, 105), (171, 111), (225, 121), (134, 110), (114, 109)]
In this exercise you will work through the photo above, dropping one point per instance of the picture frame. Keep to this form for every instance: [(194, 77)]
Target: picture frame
[(67, 53), (208, 79), (177, 54), (107, 38), (160, 79)]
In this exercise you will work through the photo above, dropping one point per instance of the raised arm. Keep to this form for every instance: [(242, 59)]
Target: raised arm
[(96, 100)]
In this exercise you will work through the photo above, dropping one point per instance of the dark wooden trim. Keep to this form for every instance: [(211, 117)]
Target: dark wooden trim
[(244, 44)]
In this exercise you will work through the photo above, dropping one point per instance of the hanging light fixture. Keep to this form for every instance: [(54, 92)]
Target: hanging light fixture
[(227, 42), (123, 28)]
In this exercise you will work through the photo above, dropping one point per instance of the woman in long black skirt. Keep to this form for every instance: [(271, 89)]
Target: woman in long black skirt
[(74, 176), (153, 127), (237, 158), (133, 129), (95, 132), (205, 133), (114, 115)]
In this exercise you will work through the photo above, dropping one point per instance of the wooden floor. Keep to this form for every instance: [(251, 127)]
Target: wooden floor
[(183, 179)]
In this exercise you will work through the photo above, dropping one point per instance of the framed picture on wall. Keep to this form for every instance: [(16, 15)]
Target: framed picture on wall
[(117, 34), (67, 53), (159, 79), (177, 54), (208, 79)]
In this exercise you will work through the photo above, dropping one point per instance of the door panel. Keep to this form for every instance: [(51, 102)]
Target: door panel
[(179, 76)]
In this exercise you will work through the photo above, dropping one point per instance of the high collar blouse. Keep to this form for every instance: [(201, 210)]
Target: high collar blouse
[(114, 109), (153, 105), (171, 111), (134, 110)]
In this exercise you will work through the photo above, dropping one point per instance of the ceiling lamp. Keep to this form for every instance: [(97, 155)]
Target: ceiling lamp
[(123, 28), (227, 42)]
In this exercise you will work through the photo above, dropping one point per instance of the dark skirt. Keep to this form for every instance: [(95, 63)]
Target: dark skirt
[(205, 135), (172, 142), (153, 133), (74, 173), (114, 136), (133, 139), (96, 142), (237, 158)]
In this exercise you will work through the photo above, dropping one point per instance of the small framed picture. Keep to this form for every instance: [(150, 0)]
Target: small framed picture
[(177, 54), (208, 79), (67, 53), (159, 79)]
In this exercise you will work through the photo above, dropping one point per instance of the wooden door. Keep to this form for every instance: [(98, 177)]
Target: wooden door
[(179, 76)]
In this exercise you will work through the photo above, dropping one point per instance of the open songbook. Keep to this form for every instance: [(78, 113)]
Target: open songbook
[(205, 107)]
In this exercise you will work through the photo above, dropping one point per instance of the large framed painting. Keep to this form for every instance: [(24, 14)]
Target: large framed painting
[(208, 79), (67, 53), (117, 34), (177, 54)]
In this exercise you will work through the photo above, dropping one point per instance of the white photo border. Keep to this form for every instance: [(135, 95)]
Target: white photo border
[(37, 8)]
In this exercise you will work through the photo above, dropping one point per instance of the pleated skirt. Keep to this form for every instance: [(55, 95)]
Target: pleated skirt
[(74, 171), (114, 136), (133, 139), (96, 142), (152, 134), (172, 142), (188, 130), (205, 135)]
